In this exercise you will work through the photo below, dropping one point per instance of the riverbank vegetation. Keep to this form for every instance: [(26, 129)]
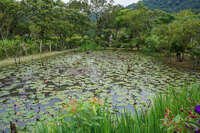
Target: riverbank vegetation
[(171, 112)]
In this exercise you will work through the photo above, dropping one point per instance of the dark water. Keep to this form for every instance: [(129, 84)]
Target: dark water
[(40, 88)]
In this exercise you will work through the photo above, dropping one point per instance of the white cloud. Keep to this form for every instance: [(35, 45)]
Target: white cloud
[(121, 2), (125, 2)]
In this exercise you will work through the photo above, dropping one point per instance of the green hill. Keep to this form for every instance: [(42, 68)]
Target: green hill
[(170, 5)]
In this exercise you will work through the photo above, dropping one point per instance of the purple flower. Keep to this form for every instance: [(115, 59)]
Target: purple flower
[(15, 105), (186, 125), (198, 131), (197, 109), (52, 116)]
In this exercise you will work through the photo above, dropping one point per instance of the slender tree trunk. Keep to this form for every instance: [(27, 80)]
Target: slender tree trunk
[(50, 47), (15, 58), (24, 49), (40, 46)]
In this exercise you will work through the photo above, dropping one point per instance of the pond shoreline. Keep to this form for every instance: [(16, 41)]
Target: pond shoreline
[(185, 65), (25, 59)]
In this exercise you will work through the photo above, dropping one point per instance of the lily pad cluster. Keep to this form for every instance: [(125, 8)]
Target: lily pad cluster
[(41, 87)]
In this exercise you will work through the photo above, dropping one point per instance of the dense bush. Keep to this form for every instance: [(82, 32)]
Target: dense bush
[(90, 45), (74, 42)]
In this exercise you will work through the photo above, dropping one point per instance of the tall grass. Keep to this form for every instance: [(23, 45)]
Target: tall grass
[(93, 117)]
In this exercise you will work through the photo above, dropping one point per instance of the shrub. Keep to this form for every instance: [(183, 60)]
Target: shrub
[(116, 44), (90, 45), (74, 41), (124, 37), (152, 42), (195, 55)]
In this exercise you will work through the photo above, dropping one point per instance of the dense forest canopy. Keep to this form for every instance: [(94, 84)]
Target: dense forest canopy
[(34, 26), (170, 5)]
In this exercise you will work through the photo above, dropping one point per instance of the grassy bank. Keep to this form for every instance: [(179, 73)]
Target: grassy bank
[(24, 59), (172, 112)]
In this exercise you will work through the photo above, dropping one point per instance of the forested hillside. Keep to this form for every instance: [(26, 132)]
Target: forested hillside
[(170, 5)]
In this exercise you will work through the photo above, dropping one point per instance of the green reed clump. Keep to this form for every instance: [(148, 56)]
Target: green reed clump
[(166, 113)]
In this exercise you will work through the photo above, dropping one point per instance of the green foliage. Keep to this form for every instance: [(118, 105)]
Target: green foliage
[(167, 114), (195, 55), (90, 45), (84, 117), (74, 42), (124, 37), (153, 43), (116, 44), (170, 5), (9, 47), (57, 26)]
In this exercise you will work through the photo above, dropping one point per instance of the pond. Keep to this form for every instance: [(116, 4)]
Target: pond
[(39, 88)]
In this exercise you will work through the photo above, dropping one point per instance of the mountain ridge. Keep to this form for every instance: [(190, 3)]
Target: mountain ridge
[(170, 5)]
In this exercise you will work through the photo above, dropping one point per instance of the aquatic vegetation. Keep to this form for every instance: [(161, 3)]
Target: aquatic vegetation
[(93, 117), (40, 88)]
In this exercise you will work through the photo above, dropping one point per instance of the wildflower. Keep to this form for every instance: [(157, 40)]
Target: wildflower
[(97, 101), (192, 127), (163, 121), (190, 112), (187, 125), (167, 110), (17, 113), (189, 116), (193, 116), (181, 110), (65, 107), (52, 115), (166, 116), (197, 109), (74, 107), (15, 105), (72, 101)]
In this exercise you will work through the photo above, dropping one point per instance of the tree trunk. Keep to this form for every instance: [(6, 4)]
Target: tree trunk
[(40, 46), (13, 127), (15, 58), (24, 49), (138, 47), (50, 47)]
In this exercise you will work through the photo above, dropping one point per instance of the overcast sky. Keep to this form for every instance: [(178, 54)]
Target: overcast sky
[(121, 2)]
